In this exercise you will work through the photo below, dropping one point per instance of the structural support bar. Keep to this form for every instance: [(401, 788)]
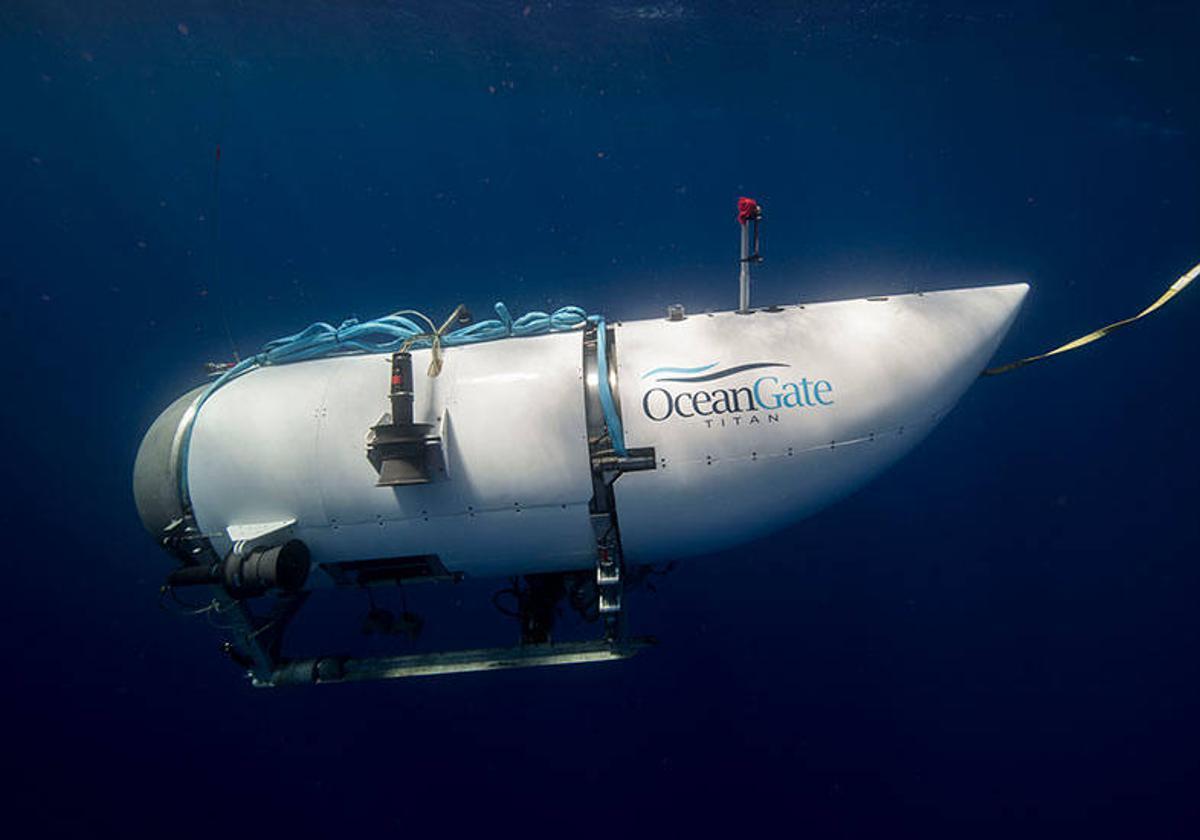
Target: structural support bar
[(744, 274), (338, 669)]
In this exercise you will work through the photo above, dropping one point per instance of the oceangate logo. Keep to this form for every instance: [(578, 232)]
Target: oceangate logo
[(765, 397)]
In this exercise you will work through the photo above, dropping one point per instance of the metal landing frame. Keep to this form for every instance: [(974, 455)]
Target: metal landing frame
[(255, 641)]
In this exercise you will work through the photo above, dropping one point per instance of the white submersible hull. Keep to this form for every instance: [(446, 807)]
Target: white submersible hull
[(735, 425), (567, 462)]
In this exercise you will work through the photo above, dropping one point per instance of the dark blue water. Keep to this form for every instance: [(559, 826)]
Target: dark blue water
[(1000, 636)]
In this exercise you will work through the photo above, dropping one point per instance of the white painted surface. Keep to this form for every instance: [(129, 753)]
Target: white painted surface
[(289, 442), (894, 367)]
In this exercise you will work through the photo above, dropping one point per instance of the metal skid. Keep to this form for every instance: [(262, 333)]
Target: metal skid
[(323, 670), (255, 640)]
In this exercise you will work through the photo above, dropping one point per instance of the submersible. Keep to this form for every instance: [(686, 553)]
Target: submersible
[(568, 460)]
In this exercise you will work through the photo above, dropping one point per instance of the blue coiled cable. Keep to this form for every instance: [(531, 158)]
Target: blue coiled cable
[(393, 332)]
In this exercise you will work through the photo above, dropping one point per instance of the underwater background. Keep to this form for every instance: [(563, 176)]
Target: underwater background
[(1000, 636)]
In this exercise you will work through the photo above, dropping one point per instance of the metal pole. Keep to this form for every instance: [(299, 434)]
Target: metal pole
[(744, 276), (401, 394)]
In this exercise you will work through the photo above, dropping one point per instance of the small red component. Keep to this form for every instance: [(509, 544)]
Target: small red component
[(397, 379), (748, 210)]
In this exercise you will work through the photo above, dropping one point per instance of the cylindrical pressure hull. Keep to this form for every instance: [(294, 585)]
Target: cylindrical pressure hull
[(511, 482), (755, 420)]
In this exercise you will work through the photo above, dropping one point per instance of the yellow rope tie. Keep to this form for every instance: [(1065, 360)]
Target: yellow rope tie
[(434, 336), (1175, 288)]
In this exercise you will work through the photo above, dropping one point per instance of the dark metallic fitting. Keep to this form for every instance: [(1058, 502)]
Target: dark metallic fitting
[(280, 567), (256, 640), (607, 467), (636, 460), (396, 446)]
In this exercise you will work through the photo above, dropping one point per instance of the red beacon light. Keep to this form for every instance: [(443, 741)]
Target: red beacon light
[(748, 210)]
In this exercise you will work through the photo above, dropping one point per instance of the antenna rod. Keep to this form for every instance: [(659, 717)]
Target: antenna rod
[(748, 212), (744, 276)]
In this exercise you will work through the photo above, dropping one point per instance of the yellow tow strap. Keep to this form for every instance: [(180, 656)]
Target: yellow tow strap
[(1176, 287)]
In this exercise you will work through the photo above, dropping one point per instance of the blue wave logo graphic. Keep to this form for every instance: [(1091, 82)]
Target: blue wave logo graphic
[(700, 369), (705, 373)]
